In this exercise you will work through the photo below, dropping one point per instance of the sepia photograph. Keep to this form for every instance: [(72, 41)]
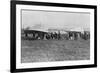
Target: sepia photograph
[(52, 36)]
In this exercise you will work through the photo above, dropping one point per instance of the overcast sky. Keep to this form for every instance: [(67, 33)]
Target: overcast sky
[(50, 19)]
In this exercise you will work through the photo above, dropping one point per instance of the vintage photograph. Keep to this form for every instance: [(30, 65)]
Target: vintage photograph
[(50, 36)]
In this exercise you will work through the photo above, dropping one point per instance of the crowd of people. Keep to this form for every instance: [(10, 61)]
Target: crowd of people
[(68, 35)]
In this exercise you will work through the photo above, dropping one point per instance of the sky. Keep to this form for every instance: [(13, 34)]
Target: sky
[(55, 20)]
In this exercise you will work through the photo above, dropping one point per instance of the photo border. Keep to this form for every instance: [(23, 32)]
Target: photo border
[(13, 35)]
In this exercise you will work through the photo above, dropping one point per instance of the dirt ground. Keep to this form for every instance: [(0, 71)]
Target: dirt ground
[(54, 50)]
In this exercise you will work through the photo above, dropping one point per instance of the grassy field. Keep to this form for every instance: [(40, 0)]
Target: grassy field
[(54, 50)]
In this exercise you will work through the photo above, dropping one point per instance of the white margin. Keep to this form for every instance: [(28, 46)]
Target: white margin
[(20, 65)]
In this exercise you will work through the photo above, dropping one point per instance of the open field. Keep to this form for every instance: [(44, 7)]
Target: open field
[(54, 50)]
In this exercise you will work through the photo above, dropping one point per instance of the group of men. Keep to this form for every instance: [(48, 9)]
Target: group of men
[(40, 35)]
